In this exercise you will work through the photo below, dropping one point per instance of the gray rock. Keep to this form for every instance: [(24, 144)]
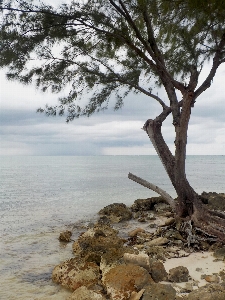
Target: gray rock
[(158, 271), (159, 291), (178, 274), (219, 253)]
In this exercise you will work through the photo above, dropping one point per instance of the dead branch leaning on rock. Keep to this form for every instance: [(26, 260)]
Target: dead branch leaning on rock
[(154, 188)]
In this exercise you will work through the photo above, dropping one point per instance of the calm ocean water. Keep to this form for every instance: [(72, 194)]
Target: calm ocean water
[(42, 196)]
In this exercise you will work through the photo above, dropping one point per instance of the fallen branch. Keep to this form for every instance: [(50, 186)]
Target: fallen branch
[(154, 188)]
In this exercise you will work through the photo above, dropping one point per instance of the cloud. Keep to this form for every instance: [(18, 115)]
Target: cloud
[(24, 132)]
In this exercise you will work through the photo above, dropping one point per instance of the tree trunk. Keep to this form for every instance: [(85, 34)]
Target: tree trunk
[(189, 204), (175, 165)]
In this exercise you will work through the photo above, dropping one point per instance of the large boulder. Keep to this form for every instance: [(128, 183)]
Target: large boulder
[(116, 212), (72, 274), (123, 279)]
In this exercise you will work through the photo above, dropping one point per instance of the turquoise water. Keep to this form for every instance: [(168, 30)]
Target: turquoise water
[(41, 196)]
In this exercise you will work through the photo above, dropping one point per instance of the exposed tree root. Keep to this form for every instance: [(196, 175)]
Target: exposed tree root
[(210, 224)]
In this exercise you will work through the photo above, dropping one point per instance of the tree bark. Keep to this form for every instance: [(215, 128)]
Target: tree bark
[(154, 188)]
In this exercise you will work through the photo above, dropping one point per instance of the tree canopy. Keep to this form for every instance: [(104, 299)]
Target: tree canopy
[(111, 48)]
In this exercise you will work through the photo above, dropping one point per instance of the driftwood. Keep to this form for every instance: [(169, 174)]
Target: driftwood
[(154, 188)]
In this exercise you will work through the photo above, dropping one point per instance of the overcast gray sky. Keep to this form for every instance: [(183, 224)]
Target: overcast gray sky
[(24, 132)]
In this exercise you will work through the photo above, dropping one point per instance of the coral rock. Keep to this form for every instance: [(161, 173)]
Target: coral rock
[(116, 212), (159, 291), (124, 279), (208, 292), (73, 274), (82, 293), (65, 236), (158, 271), (178, 274)]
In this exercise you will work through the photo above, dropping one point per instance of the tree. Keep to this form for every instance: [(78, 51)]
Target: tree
[(110, 48)]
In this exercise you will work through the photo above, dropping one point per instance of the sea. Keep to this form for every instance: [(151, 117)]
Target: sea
[(41, 196)]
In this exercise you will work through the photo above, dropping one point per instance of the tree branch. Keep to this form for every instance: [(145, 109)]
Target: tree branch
[(154, 188), (216, 62)]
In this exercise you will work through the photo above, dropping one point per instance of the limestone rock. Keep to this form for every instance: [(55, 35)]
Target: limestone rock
[(97, 241), (140, 259), (161, 207), (72, 274), (116, 212), (159, 291), (135, 232), (146, 204), (178, 274), (158, 271), (212, 278), (65, 236), (124, 279), (168, 222), (158, 242), (220, 253), (82, 293), (137, 296), (215, 200), (208, 292)]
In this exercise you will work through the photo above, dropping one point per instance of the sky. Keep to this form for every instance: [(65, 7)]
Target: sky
[(25, 132)]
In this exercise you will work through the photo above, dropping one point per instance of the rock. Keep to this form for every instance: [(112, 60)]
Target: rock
[(82, 293), (178, 274), (135, 232), (219, 253), (161, 207), (65, 236), (168, 222), (158, 242), (116, 212), (157, 271), (72, 274), (124, 279), (212, 278), (157, 252), (140, 259), (215, 200), (137, 296), (98, 240), (208, 292), (146, 204), (159, 291)]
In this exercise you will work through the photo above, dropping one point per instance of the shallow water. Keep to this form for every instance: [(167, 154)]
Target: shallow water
[(42, 196)]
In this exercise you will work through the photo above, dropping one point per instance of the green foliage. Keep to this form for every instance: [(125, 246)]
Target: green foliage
[(100, 48)]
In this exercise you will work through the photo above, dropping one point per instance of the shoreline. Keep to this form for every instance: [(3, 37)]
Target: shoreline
[(142, 237)]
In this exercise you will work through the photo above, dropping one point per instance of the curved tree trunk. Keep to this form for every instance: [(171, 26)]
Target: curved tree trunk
[(189, 204)]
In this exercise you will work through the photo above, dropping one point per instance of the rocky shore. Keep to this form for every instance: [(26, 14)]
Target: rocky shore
[(143, 252)]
